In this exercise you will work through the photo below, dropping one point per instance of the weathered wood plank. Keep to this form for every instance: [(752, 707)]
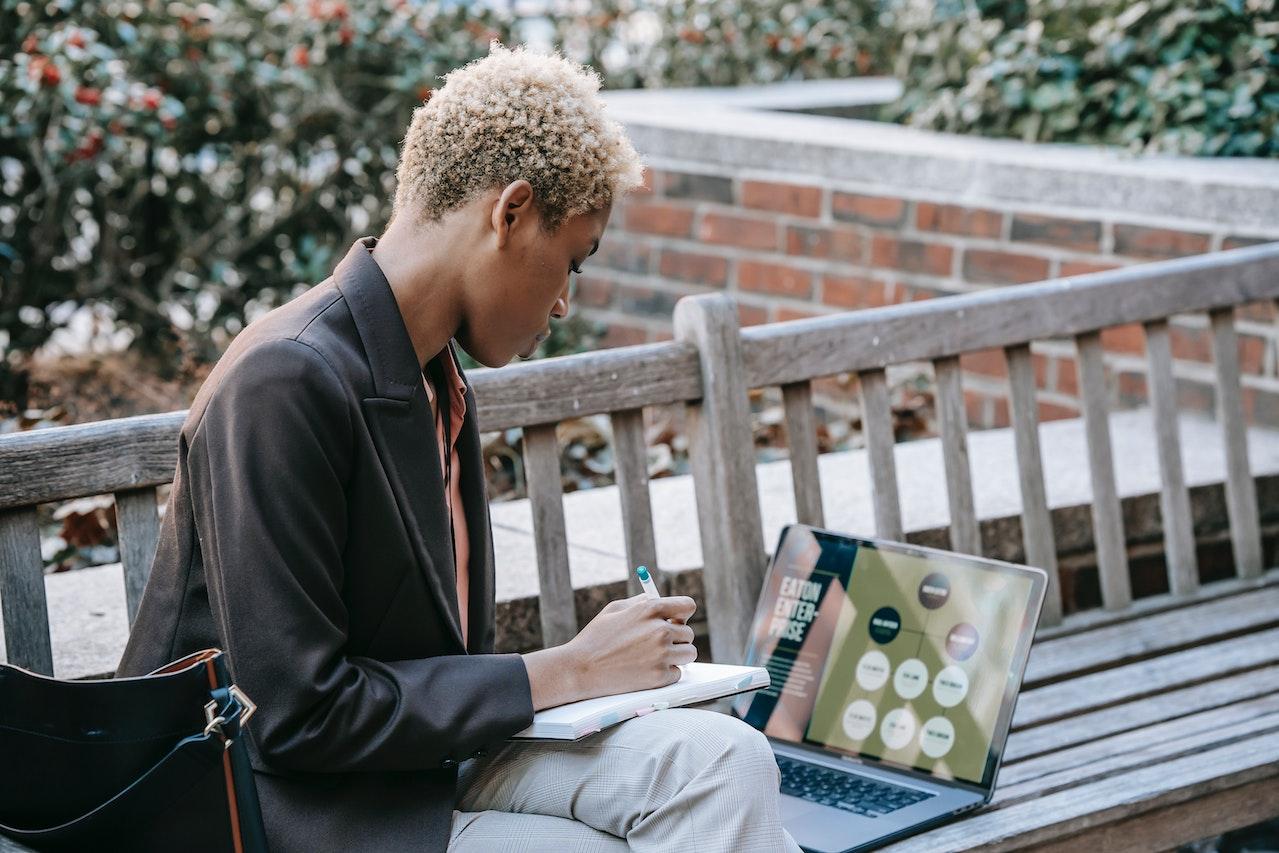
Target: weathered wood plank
[(877, 423), (1104, 756), (1087, 620), (23, 606), (1206, 815), (1090, 808), (801, 438), (778, 353), (546, 496), (722, 453), (138, 521), (607, 380), (1107, 519), (58, 463), (965, 536), (1174, 497), (1158, 633), (1086, 727), (126, 453), (630, 460), (1146, 678), (1036, 520), (1241, 493)]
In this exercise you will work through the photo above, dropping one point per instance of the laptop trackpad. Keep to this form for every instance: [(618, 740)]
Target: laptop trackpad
[(793, 807)]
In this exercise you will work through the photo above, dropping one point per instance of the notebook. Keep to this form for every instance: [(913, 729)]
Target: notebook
[(699, 682)]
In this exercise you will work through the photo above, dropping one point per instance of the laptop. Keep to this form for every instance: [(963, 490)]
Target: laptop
[(894, 672)]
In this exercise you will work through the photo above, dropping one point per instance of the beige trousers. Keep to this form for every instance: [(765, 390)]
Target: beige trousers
[(675, 780)]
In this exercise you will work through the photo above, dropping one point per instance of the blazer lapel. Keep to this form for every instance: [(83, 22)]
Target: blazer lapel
[(399, 419)]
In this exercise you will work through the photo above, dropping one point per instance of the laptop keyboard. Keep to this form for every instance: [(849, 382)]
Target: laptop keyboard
[(857, 794)]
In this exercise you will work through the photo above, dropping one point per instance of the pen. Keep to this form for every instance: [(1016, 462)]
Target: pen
[(646, 581)]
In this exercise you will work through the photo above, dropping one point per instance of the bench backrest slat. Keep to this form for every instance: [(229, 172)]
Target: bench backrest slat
[(777, 353), (1174, 497), (23, 606), (1036, 520), (630, 462), (46, 465), (1107, 518), (546, 496), (877, 425), (965, 537), (801, 440), (721, 450), (1241, 492), (138, 526), (555, 389)]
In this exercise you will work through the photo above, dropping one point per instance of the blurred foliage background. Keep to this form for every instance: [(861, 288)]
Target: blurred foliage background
[(171, 170)]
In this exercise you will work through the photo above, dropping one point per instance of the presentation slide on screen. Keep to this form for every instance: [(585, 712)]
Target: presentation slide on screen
[(887, 655)]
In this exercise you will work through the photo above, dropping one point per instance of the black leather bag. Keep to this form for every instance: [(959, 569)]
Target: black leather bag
[(151, 763)]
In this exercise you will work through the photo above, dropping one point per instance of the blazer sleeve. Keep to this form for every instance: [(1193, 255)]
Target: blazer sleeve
[(268, 462)]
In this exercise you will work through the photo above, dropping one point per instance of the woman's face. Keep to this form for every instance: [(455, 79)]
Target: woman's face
[(524, 280)]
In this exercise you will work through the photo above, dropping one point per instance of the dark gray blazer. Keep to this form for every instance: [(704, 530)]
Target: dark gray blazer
[(307, 535)]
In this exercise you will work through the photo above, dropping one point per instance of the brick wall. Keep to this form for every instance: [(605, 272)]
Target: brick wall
[(788, 246)]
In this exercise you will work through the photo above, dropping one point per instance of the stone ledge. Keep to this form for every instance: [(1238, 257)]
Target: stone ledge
[(87, 606), (732, 137)]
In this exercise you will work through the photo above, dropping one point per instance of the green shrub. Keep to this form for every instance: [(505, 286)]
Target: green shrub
[(718, 43), (1175, 76)]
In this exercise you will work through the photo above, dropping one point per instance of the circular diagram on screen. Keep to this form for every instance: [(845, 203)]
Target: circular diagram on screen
[(961, 642), (872, 670), (885, 623), (934, 590), (859, 720), (911, 678), (898, 728), (937, 737), (950, 687)]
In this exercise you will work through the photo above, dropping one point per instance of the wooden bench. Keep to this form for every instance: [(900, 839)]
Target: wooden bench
[(1143, 724)]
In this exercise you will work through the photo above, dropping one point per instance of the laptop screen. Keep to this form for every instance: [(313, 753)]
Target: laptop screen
[(890, 652)]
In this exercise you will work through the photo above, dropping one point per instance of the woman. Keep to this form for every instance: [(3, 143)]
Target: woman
[(316, 534)]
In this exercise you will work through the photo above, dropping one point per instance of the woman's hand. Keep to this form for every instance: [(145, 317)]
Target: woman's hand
[(634, 643)]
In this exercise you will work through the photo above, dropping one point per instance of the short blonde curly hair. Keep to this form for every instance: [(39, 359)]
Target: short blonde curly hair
[(515, 114)]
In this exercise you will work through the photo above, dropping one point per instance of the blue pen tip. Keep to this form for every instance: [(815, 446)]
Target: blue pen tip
[(642, 572)]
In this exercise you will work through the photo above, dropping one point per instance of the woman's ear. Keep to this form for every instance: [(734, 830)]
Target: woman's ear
[(513, 207)]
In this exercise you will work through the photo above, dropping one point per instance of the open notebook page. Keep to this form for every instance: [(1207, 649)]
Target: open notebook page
[(698, 683)]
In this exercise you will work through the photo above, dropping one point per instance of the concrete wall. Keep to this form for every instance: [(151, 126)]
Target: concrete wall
[(797, 215)]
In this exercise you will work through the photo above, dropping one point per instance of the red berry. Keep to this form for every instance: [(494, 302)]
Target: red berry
[(151, 99), (75, 39), (169, 122), (424, 93), (345, 34), (339, 11), (301, 57), (50, 75), (87, 95), (30, 43)]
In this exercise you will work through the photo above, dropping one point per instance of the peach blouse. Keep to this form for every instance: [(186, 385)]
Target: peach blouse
[(453, 491)]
